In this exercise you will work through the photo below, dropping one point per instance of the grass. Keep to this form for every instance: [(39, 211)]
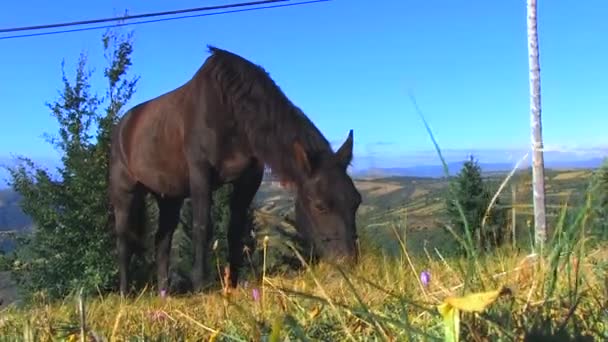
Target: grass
[(382, 298)]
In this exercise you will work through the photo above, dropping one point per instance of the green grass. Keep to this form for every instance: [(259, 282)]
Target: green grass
[(380, 299)]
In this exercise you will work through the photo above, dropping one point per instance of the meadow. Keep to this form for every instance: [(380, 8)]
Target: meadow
[(411, 284)]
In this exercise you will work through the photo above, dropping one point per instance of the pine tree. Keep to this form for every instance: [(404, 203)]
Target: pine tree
[(474, 196)]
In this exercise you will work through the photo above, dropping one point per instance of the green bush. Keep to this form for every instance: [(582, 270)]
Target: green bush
[(71, 245)]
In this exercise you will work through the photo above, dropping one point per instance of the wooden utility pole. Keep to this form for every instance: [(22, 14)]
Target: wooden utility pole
[(538, 172)]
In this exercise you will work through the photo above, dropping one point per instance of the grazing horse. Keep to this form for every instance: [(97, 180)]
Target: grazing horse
[(223, 126)]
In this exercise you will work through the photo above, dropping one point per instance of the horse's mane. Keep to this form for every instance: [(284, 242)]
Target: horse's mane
[(270, 120)]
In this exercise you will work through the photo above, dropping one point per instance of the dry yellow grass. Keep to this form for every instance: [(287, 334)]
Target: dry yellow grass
[(375, 188), (419, 192), (430, 209), (318, 297), (569, 175), (564, 193)]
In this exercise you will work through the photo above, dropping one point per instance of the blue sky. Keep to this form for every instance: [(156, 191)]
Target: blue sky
[(347, 64)]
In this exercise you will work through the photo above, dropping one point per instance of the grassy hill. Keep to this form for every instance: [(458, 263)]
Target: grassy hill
[(415, 202), (423, 198), (382, 297), (395, 203)]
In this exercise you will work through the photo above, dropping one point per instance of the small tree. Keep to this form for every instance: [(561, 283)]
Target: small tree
[(599, 193), (71, 245), (474, 197)]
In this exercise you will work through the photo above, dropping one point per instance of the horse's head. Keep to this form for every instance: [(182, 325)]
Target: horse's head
[(327, 202)]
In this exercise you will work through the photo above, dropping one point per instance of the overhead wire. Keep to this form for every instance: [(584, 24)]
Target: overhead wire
[(209, 8), (136, 16)]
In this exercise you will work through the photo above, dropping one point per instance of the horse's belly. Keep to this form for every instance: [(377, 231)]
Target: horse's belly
[(163, 177), (231, 168), (167, 185)]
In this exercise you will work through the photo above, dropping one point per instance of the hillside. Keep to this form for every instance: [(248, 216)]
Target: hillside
[(420, 198), (11, 216), (417, 204), (413, 202)]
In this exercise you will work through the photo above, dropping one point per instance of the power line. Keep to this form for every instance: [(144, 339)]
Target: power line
[(158, 20), (136, 16)]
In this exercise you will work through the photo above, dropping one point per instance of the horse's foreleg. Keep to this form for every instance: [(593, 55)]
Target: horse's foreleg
[(200, 197), (123, 247), (169, 211), (244, 191)]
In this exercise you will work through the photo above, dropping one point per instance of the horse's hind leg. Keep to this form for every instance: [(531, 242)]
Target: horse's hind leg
[(129, 226), (244, 191), (169, 210), (128, 201)]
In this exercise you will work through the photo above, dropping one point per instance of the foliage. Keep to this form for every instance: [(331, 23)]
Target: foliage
[(474, 195), (71, 245), (183, 252)]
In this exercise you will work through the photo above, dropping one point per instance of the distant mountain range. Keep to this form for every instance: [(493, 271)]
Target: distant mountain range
[(435, 171)]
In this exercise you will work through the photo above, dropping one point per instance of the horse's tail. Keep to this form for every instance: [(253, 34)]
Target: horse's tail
[(117, 147)]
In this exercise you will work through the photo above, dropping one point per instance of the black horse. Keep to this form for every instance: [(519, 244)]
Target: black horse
[(221, 126)]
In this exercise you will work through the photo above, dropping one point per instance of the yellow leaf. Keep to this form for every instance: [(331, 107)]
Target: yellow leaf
[(476, 302)]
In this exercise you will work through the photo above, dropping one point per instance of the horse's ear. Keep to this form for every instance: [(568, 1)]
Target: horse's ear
[(345, 152), (302, 159)]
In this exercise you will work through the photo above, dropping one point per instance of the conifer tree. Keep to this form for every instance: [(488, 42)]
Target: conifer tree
[(474, 196)]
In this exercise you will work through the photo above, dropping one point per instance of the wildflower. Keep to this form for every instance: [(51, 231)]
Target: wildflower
[(255, 293), (163, 293), (425, 278)]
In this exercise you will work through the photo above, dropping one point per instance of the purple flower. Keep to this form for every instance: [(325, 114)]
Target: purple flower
[(425, 278), (256, 294), (163, 293)]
